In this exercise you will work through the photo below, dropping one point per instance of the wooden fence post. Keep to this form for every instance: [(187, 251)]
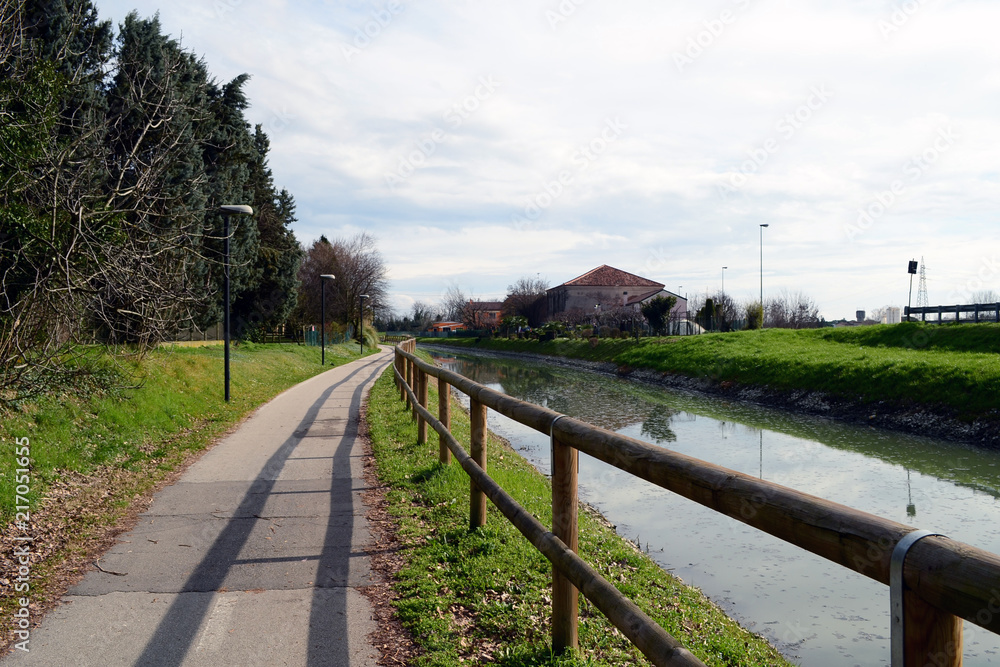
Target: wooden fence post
[(933, 637), (415, 386), (444, 416), (565, 526), (477, 451), (409, 379), (422, 398), (401, 367)]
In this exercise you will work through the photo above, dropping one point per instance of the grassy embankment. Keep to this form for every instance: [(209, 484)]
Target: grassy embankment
[(484, 596), (92, 456), (954, 367)]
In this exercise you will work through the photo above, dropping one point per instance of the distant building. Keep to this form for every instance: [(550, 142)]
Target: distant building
[(484, 314), (893, 315), (447, 326), (607, 288)]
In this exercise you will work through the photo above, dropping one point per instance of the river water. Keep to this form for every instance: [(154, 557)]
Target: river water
[(817, 613)]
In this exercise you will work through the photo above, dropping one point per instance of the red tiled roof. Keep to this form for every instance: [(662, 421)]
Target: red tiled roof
[(639, 298), (486, 305), (609, 276)]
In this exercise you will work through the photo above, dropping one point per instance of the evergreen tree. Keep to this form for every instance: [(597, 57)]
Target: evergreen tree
[(115, 154), (271, 296)]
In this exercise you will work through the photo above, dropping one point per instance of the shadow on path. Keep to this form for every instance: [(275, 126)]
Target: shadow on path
[(179, 628)]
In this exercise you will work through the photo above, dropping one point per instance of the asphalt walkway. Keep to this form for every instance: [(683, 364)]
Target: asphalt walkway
[(254, 557)]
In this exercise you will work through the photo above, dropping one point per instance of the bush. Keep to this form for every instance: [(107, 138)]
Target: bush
[(755, 315)]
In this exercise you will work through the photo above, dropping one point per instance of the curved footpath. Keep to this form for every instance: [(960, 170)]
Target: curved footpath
[(255, 556)]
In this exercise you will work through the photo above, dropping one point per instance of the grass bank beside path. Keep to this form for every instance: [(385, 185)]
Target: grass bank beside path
[(954, 367), (92, 458), (485, 596)]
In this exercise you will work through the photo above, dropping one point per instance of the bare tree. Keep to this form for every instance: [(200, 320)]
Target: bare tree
[(454, 303), (422, 316), (791, 310), (985, 296), (527, 298), (359, 269)]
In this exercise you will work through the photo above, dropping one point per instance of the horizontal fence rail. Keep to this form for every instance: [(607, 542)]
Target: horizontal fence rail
[(942, 580), (981, 312)]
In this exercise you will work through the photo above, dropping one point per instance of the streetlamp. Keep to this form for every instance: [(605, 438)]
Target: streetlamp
[(762, 226), (227, 210), (361, 321), (322, 309), (724, 280)]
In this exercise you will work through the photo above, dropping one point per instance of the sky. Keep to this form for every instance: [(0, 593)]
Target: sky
[(481, 141)]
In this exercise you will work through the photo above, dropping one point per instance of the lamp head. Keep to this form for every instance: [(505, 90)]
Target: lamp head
[(327, 276), (236, 209)]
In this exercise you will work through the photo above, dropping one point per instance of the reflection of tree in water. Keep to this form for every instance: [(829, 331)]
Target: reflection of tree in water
[(592, 398), (657, 425)]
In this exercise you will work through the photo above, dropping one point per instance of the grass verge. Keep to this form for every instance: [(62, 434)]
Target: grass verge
[(93, 459), (954, 367), (484, 596)]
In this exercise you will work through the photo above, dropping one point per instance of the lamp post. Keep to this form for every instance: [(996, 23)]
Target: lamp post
[(361, 321), (322, 309), (762, 226), (227, 210)]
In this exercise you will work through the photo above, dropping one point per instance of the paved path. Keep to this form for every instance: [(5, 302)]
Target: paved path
[(254, 557)]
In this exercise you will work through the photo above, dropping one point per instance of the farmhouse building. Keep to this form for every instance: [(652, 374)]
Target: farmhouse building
[(606, 289)]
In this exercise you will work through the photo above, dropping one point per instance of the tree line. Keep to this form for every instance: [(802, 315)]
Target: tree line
[(117, 148), (525, 305)]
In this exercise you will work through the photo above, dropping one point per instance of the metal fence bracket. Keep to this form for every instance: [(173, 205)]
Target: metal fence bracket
[(896, 591)]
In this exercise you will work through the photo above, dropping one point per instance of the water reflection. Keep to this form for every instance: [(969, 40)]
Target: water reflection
[(816, 612)]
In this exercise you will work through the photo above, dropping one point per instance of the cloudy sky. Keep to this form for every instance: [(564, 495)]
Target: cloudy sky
[(485, 140)]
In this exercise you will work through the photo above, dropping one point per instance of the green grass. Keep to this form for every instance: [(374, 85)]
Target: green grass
[(484, 596), (955, 367), (176, 407)]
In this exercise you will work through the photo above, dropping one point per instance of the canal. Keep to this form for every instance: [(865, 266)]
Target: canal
[(815, 612)]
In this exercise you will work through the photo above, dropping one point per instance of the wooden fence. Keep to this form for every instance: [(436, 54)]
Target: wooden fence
[(981, 312), (934, 581)]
